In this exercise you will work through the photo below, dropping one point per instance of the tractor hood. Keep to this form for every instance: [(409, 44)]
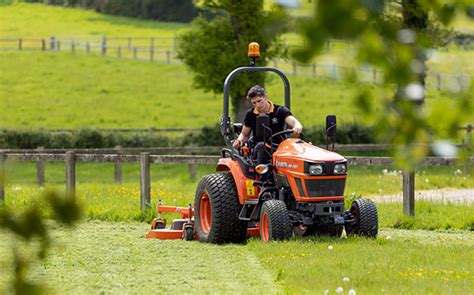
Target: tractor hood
[(296, 149)]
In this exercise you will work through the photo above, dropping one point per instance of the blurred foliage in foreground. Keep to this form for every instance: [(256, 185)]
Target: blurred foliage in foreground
[(396, 37), (30, 227)]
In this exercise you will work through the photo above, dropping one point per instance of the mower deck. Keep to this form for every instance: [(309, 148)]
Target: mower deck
[(187, 232)]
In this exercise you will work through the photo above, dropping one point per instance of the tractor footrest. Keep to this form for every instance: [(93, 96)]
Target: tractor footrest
[(248, 209)]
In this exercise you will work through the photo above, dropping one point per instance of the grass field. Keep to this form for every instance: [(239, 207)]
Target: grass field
[(41, 21), (56, 90), (104, 257)]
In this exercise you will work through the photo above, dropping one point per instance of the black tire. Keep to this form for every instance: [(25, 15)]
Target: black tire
[(177, 224), (158, 225), (365, 215), (331, 230), (216, 210), (274, 221)]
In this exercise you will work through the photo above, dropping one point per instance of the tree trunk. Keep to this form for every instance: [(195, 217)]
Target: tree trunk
[(240, 105), (415, 18)]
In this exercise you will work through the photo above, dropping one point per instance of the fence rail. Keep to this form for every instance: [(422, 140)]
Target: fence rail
[(163, 49), (145, 159), (188, 150)]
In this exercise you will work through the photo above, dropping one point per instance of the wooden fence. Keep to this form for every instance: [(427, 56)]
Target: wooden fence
[(163, 49), (145, 159)]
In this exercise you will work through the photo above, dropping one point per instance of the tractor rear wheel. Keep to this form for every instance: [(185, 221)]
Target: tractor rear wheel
[(274, 221), (216, 210), (365, 217)]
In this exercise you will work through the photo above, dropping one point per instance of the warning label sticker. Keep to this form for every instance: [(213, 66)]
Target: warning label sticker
[(250, 188)]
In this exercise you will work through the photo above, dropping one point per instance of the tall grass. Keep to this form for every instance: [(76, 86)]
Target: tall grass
[(394, 263), (101, 199)]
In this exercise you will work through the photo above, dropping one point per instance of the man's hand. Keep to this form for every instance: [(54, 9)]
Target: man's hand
[(298, 129), (237, 143)]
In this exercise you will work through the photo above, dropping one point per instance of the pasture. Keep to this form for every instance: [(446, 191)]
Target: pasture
[(114, 93)]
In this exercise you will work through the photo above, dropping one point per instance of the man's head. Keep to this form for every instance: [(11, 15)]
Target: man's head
[(258, 98)]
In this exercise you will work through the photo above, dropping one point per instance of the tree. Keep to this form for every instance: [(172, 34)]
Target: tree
[(213, 48), (393, 36)]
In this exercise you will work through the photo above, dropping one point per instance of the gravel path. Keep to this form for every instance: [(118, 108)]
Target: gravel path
[(456, 196)]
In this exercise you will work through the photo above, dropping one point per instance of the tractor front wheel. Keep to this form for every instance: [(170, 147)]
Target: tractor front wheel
[(274, 221), (364, 219), (216, 210)]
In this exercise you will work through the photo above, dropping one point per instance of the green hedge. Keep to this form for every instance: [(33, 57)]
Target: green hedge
[(207, 136), (160, 10)]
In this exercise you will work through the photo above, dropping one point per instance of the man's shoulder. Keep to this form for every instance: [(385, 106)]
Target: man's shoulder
[(281, 109)]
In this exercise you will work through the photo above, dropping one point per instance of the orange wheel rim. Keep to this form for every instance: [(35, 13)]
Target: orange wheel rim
[(264, 227), (205, 213)]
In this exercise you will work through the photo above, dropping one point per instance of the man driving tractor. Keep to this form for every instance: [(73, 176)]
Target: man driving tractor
[(279, 116)]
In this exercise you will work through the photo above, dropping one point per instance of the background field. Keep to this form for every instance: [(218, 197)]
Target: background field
[(63, 90), (59, 90)]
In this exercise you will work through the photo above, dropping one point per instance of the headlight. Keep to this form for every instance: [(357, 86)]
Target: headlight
[(261, 169), (315, 169), (340, 169)]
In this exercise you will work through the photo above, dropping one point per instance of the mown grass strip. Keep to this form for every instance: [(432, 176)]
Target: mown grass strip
[(107, 257)]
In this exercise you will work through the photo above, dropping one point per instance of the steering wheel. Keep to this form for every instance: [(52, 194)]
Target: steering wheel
[(287, 131)]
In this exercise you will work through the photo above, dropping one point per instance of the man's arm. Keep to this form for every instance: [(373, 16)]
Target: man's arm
[(293, 123), (243, 136)]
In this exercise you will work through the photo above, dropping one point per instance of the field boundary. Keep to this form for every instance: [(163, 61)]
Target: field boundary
[(164, 49), (145, 160)]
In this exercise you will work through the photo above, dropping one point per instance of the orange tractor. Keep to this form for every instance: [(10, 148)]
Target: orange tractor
[(301, 190)]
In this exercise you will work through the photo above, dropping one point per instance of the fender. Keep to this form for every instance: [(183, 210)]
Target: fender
[(245, 188)]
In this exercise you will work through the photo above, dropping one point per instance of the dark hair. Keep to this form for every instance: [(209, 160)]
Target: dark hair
[(255, 91)]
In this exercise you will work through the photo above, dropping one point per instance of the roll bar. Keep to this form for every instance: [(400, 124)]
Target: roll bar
[(225, 120)]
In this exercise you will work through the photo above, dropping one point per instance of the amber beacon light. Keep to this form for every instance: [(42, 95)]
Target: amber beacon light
[(254, 50)]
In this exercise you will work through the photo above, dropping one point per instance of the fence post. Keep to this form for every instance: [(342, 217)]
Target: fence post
[(192, 168), (119, 52), (73, 47), (129, 43), (168, 57), (134, 53), (2, 177), (70, 175), (468, 148), (294, 68), (104, 45), (314, 70), (409, 193), (20, 44), (40, 170), (374, 75), (438, 81), (43, 44), (118, 165), (174, 44), (52, 42), (88, 47), (144, 181), (152, 52)]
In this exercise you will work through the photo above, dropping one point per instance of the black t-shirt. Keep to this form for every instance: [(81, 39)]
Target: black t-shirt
[(277, 115)]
